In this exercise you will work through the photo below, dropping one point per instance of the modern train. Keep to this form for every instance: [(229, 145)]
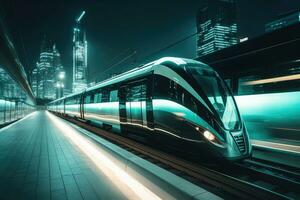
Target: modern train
[(178, 104)]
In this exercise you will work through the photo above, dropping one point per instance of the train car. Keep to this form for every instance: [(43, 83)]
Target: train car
[(179, 104)]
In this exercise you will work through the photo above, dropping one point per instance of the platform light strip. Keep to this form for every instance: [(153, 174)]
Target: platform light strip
[(116, 174), (273, 80)]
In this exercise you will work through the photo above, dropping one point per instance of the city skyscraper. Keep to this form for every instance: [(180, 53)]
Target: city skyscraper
[(46, 75), (46, 71), (216, 26), (59, 73), (35, 81), (283, 20), (79, 56)]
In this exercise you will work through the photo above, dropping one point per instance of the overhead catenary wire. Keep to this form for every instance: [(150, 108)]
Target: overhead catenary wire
[(150, 55), (119, 62)]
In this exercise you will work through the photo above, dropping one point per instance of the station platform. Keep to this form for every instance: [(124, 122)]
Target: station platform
[(45, 157), (39, 162)]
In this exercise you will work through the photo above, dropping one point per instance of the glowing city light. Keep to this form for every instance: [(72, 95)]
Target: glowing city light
[(61, 75), (80, 17), (273, 80)]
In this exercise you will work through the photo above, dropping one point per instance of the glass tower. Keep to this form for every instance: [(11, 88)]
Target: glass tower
[(46, 74), (59, 73), (216, 26), (79, 58)]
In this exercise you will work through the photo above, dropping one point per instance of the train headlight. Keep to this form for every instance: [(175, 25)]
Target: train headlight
[(209, 135)]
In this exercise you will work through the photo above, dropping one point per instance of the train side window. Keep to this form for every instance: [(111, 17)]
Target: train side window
[(105, 96), (113, 96), (97, 98), (75, 100), (92, 98), (169, 89), (161, 85), (190, 102), (87, 99), (175, 92), (143, 92), (135, 93)]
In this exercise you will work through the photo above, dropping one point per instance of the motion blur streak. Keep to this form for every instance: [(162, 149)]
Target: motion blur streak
[(273, 80), (129, 186), (278, 146)]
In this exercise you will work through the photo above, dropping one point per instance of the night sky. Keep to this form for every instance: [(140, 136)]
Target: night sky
[(115, 29)]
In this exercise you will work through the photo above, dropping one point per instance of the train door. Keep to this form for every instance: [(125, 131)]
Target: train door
[(122, 109), (64, 106), (133, 108), (149, 104), (81, 105)]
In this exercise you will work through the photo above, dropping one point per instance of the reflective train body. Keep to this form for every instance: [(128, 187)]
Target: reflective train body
[(175, 103)]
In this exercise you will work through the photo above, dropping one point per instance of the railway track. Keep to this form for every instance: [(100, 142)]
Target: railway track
[(280, 181), (245, 180)]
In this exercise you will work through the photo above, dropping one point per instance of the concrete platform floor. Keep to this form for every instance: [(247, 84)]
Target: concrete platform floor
[(37, 161)]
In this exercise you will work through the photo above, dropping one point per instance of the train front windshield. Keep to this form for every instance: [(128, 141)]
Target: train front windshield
[(218, 95)]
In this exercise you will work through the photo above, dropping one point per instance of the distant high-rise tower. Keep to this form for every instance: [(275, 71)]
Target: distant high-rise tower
[(46, 71), (59, 73), (79, 57), (46, 75), (35, 81), (216, 26)]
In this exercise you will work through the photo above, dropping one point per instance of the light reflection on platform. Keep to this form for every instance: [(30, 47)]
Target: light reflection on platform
[(117, 175)]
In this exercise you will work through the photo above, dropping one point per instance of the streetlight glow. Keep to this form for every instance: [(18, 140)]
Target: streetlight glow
[(61, 75)]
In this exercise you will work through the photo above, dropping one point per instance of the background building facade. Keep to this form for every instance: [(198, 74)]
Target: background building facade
[(46, 75), (59, 73), (283, 20), (216, 26)]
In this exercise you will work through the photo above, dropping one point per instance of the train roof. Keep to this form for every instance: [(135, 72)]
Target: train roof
[(169, 61)]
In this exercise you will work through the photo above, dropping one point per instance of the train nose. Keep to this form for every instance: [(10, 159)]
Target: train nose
[(240, 140)]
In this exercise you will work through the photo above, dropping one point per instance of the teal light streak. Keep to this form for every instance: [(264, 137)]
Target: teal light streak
[(265, 113)]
